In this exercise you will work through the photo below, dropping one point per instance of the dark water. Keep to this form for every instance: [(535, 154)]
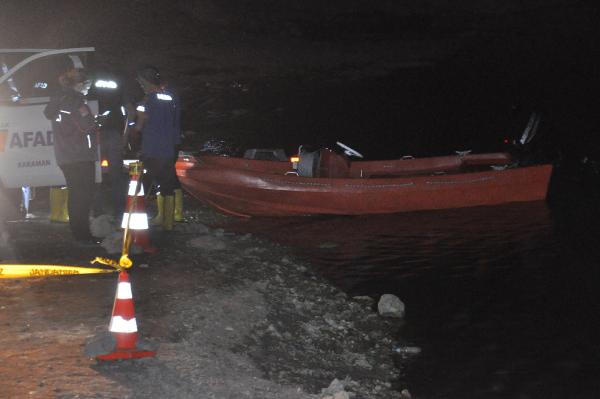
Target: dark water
[(504, 301)]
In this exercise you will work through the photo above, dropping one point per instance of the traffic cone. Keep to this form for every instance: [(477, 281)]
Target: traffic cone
[(125, 342), (135, 217), (59, 198)]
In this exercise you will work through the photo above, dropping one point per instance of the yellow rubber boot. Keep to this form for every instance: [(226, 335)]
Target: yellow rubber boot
[(168, 212), (160, 206), (178, 205), (53, 195), (59, 198)]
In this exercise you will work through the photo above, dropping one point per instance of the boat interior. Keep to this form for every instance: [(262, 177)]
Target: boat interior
[(326, 163)]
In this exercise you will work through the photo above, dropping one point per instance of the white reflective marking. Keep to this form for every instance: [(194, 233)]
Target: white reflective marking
[(123, 111), (59, 118), (126, 162), (105, 113), (141, 108), (137, 221), (131, 123), (76, 61), (106, 84), (89, 141), (40, 85), (132, 187), (164, 97), (65, 112), (119, 325), (124, 291)]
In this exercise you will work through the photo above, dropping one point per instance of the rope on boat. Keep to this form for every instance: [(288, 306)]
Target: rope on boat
[(478, 180)]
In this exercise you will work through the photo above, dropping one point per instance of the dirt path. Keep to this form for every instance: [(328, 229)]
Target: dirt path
[(236, 317)]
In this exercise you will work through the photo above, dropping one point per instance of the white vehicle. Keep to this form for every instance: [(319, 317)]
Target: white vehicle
[(28, 78)]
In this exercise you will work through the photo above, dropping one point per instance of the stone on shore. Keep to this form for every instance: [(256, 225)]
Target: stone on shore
[(337, 389), (390, 306)]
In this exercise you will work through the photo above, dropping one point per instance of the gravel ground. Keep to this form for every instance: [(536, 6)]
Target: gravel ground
[(236, 317)]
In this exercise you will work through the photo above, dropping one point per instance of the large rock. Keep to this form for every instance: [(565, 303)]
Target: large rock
[(102, 226), (100, 344), (337, 389), (208, 243), (390, 306), (113, 244)]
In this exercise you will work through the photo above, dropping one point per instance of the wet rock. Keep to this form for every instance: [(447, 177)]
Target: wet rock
[(147, 344), (113, 243), (102, 226), (338, 395), (100, 344), (362, 362), (390, 306), (337, 389), (219, 232), (193, 228), (365, 300), (405, 394), (407, 350), (208, 243)]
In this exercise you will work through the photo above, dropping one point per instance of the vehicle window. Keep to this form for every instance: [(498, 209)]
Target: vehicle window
[(8, 90), (37, 79)]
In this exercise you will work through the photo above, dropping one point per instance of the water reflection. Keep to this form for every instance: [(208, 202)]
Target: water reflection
[(503, 300)]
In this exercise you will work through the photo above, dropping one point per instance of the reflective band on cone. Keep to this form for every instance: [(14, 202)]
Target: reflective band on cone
[(124, 291), (120, 325), (139, 218), (133, 186), (137, 221)]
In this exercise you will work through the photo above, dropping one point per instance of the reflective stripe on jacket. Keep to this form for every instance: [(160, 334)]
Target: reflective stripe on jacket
[(74, 134)]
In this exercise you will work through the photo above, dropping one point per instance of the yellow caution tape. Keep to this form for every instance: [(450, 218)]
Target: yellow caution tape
[(106, 261), (123, 263), (23, 271)]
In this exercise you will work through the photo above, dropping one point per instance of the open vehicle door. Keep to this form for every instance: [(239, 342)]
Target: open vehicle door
[(28, 78)]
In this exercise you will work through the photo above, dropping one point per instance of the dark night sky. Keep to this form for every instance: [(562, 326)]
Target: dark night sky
[(537, 53)]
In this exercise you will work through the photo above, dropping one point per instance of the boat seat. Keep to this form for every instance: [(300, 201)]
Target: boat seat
[(308, 165), (322, 163), (333, 165)]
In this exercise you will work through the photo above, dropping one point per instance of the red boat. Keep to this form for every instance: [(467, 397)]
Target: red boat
[(325, 182)]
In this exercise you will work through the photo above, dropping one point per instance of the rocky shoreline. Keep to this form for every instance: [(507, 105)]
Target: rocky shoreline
[(236, 316)]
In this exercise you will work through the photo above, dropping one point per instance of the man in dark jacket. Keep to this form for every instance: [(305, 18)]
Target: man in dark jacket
[(111, 119), (75, 148), (158, 121)]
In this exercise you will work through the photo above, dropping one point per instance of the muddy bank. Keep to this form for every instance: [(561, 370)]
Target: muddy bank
[(236, 317)]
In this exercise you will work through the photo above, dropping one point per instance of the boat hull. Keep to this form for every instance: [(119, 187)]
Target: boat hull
[(248, 192)]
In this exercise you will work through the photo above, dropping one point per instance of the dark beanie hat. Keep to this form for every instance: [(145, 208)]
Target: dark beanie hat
[(149, 74)]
